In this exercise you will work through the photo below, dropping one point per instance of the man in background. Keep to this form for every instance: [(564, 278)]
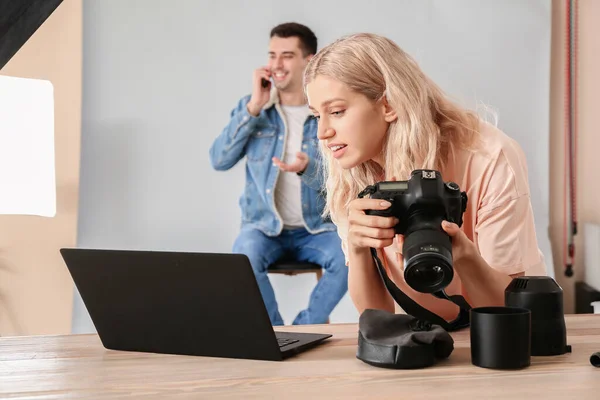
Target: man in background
[(283, 197)]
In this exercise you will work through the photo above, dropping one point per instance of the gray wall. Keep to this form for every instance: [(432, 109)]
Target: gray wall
[(160, 78)]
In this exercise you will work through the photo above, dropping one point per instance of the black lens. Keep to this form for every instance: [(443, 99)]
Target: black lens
[(433, 274), (428, 260)]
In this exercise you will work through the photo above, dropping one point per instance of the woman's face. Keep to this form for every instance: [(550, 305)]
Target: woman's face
[(352, 126)]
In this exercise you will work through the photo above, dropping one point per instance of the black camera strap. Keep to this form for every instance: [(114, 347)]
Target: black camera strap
[(413, 308)]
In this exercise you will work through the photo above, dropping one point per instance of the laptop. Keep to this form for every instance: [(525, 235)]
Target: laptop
[(201, 304)]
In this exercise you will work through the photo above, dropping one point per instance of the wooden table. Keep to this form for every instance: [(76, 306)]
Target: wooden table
[(77, 366)]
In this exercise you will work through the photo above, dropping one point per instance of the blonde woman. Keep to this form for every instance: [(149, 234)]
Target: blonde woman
[(379, 118)]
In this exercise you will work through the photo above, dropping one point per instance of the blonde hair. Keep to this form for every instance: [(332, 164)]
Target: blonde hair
[(429, 127)]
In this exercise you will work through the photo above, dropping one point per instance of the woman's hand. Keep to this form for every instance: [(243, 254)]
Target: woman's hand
[(365, 286), (484, 285), (366, 231), (463, 249)]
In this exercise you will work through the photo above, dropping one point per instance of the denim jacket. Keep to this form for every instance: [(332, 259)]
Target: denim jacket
[(260, 139)]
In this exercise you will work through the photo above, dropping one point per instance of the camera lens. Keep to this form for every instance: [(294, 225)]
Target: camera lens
[(433, 274), (428, 260)]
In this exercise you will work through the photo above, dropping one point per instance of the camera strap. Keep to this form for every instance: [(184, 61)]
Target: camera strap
[(413, 308)]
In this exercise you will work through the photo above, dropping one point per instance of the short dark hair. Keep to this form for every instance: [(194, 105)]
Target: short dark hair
[(308, 40)]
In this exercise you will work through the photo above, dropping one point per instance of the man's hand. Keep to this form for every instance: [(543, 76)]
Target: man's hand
[(299, 164), (260, 95)]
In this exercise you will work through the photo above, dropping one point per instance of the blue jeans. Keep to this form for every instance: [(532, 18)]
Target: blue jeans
[(323, 249)]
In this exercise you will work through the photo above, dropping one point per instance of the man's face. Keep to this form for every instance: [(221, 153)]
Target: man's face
[(287, 63)]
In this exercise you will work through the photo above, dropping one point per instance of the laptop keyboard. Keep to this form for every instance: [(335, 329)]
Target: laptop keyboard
[(284, 341)]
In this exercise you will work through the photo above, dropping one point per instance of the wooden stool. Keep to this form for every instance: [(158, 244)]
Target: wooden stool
[(290, 267)]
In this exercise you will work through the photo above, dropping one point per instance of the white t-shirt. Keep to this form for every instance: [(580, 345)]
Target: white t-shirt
[(287, 190)]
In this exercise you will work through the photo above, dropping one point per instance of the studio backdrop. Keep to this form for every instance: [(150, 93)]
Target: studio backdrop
[(161, 77)]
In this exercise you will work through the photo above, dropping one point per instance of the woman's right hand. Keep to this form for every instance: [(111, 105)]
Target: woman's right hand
[(366, 231)]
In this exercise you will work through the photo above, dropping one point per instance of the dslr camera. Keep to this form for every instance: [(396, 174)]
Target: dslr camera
[(421, 204)]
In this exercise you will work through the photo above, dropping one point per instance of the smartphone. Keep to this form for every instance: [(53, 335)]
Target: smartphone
[(265, 83)]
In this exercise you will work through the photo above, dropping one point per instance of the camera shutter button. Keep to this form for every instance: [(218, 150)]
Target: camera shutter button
[(452, 186)]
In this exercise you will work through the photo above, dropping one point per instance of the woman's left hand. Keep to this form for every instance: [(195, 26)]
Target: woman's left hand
[(484, 286), (463, 249)]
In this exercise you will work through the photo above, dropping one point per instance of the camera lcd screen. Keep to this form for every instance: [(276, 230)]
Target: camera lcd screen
[(393, 185)]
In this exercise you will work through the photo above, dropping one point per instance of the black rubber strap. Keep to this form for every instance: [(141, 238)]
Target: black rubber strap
[(416, 310)]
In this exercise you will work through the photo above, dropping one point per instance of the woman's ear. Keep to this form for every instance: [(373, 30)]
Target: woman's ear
[(389, 114)]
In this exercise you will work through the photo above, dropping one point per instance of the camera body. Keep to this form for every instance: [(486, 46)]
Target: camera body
[(424, 194), (421, 204)]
